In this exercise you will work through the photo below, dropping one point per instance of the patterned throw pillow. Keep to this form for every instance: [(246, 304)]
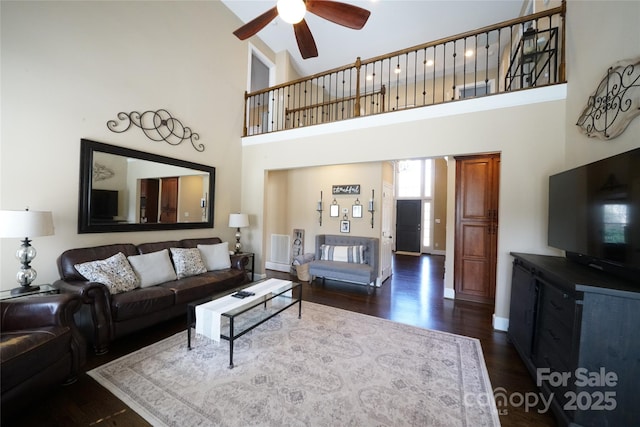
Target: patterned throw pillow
[(352, 254), (187, 261), (114, 272)]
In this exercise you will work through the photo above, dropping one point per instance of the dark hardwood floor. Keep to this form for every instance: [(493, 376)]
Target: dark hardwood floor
[(413, 295)]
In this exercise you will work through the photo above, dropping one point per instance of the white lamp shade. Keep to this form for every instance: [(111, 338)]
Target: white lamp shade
[(238, 220), (25, 224), (291, 11)]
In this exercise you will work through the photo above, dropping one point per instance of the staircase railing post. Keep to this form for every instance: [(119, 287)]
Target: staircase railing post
[(356, 113), (245, 129), (563, 63)]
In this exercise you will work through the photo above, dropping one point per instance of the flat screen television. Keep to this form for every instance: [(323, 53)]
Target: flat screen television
[(104, 204), (594, 214)]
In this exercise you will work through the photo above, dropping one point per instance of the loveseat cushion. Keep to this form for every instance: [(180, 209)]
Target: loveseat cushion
[(204, 285), (140, 302), (359, 273), (27, 351), (145, 248)]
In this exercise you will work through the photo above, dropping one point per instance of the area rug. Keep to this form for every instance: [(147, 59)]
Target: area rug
[(330, 368)]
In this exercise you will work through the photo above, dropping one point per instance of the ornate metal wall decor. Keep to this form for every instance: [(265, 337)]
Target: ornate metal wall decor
[(101, 172), (158, 126), (615, 102)]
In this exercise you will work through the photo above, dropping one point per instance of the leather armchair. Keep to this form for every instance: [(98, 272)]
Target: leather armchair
[(40, 347)]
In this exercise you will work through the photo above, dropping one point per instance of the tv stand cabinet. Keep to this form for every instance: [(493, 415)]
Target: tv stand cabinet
[(578, 332)]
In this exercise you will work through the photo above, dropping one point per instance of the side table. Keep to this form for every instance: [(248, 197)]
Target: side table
[(253, 261), (43, 290)]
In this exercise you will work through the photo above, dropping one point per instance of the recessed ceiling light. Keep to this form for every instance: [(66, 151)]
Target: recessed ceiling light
[(468, 53)]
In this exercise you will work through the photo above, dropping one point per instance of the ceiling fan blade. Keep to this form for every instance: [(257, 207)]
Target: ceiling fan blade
[(340, 13), (306, 43), (252, 27)]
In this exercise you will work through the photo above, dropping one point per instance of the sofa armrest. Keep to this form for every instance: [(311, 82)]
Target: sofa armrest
[(239, 262), (97, 297), (38, 311), (47, 310)]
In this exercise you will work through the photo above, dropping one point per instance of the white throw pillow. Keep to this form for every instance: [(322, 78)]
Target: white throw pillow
[(215, 257), (114, 272), (352, 254), (153, 268), (188, 262)]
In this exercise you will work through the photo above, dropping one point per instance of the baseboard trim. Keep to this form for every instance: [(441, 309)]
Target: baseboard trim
[(500, 323), (285, 268), (408, 253), (449, 293)]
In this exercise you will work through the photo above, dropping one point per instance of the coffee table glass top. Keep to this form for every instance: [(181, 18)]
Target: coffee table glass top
[(227, 317)]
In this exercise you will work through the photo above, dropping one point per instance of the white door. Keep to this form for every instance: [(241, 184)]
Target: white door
[(386, 237)]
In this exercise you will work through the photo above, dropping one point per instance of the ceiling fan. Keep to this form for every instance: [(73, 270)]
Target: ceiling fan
[(293, 11)]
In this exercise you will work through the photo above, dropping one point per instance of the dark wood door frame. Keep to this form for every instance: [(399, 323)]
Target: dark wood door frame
[(476, 227)]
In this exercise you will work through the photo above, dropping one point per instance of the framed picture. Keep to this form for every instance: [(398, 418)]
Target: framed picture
[(346, 189), (344, 226), (334, 210), (356, 211)]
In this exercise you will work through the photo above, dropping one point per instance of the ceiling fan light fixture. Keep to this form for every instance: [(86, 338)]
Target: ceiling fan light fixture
[(291, 11)]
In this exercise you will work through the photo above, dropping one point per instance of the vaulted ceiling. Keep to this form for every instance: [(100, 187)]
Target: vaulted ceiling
[(393, 25)]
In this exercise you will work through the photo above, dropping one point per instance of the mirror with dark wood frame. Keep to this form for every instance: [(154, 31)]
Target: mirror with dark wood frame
[(129, 190)]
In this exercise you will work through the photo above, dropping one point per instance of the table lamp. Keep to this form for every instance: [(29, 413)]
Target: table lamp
[(25, 224), (238, 221)]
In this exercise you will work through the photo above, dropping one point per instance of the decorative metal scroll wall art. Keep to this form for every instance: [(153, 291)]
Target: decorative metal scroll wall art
[(158, 126), (615, 102)]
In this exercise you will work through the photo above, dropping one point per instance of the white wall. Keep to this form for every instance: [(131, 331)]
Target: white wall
[(535, 141), (599, 33), (69, 67), (529, 134)]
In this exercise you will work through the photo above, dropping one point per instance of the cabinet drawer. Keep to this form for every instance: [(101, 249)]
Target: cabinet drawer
[(556, 331), (550, 357), (559, 304)]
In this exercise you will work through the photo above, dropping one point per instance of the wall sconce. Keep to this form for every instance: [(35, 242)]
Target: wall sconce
[(319, 209), (371, 209)]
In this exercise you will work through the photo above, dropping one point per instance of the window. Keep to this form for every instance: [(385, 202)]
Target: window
[(615, 220), (409, 178), (472, 90)]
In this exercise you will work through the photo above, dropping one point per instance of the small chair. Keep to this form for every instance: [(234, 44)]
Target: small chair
[(40, 347)]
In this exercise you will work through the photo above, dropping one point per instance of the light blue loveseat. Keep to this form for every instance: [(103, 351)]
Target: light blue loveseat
[(363, 271)]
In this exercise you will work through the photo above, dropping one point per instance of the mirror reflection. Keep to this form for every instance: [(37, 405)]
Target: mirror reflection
[(128, 190)]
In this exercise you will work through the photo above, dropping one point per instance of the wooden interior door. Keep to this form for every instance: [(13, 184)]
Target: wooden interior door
[(149, 192), (169, 200), (476, 238)]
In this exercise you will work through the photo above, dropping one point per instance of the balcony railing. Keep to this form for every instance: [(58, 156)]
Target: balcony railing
[(519, 54)]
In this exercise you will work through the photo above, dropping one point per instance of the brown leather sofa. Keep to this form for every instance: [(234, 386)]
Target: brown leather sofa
[(40, 347), (105, 317)]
